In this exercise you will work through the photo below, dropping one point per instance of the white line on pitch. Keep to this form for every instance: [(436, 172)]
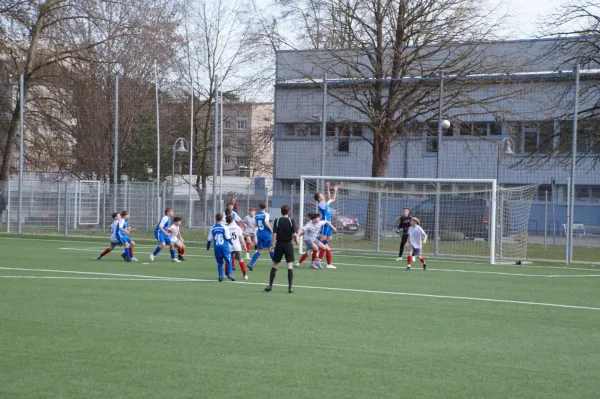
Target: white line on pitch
[(91, 278), (398, 267), (353, 290), (92, 273)]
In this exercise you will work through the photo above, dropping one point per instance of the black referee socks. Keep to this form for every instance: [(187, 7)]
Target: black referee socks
[(272, 277)]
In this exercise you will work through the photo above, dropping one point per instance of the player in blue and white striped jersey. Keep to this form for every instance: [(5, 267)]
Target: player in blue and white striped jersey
[(161, 232), (114, 242), (220, 234)]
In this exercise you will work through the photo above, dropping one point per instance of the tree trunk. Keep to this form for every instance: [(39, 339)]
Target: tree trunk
[(11, 143), (381, 157)]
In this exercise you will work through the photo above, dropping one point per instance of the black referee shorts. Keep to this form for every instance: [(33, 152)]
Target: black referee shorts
[(284, 248)]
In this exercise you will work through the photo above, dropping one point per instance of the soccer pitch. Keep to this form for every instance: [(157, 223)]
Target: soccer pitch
[(76, 327)]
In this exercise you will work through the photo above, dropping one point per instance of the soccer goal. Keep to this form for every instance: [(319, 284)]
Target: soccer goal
[(468, 218), (88, 202)]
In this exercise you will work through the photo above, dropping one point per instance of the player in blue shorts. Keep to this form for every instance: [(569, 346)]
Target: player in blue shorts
[(264, 232), (161, 232), (123, 231), (326, 233), (220, 234)]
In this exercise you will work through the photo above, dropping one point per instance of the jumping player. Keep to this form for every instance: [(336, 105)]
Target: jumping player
[(176, 238), (311, 232), (284, 229), (263, 233), (114, 242), (237, 238), (219, 233), (162, 235), (403, 226), (250, 231), (326, 234), (415, 232)]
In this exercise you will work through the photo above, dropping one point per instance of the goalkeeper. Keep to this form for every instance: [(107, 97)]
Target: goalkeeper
[(403, 225)]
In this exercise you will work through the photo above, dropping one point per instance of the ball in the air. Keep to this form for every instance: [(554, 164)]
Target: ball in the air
[(446, 124)]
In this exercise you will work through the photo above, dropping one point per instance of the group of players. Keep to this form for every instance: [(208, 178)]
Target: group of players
[(230, 234)]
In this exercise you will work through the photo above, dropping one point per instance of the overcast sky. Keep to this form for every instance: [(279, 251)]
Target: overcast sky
[(525, 15)]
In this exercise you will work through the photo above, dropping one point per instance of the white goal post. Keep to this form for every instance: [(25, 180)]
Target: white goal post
[(464, 218)]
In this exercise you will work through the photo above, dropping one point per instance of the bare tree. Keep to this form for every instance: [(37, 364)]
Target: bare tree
[(221, 43), (72, 50)]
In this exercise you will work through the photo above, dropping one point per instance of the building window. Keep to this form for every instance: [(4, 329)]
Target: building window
[(242, 125), (330, 129), (242, 161), (289, 129), (537, 137), (357, 130), (315, 129), (431, 141), (226, 159), (588, 136), (227, 124), (301, 129), (481, 129), (344, 138)]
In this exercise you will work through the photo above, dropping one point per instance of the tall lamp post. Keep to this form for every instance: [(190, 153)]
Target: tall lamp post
[(504, 147), (180, 145)]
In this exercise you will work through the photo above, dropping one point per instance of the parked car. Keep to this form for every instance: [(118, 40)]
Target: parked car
[(458, 214)]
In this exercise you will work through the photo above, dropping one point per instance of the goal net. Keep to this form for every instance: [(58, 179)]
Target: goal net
[(463, 218)]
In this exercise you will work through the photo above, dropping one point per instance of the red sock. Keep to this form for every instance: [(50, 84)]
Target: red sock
[(422, 259), (243, 266), (131, 251), (321, 253), (107, 250), (409, 260), (248, 247), (314, 256), (303, 258), (328, 253)]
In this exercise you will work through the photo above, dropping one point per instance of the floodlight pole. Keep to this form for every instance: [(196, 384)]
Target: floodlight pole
[(157, 139), (21, 150), (323, 128), (573, 167), (436, 232), (215, 143), (191, 148), (116, 146)]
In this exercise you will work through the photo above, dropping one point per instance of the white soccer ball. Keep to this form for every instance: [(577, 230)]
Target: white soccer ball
[(446, 124)]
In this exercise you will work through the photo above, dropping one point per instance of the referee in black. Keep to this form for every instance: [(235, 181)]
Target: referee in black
[(403, 229), (284, 230)]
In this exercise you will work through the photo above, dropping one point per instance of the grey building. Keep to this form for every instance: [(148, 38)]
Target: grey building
[(534, 100)]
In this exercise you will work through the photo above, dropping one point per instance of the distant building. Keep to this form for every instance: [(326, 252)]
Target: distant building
[(533, 119), (248, 139)]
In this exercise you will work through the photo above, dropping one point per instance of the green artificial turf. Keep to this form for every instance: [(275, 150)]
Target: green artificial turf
[(76, 327)]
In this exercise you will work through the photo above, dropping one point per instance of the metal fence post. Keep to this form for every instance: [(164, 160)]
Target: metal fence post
[(164, 197), (126, 199), (75, 206), (66, 225), (546, 220), (58, 208), (148, 206), (568, 220), (8, 213), (378, 221), (292, 200)]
